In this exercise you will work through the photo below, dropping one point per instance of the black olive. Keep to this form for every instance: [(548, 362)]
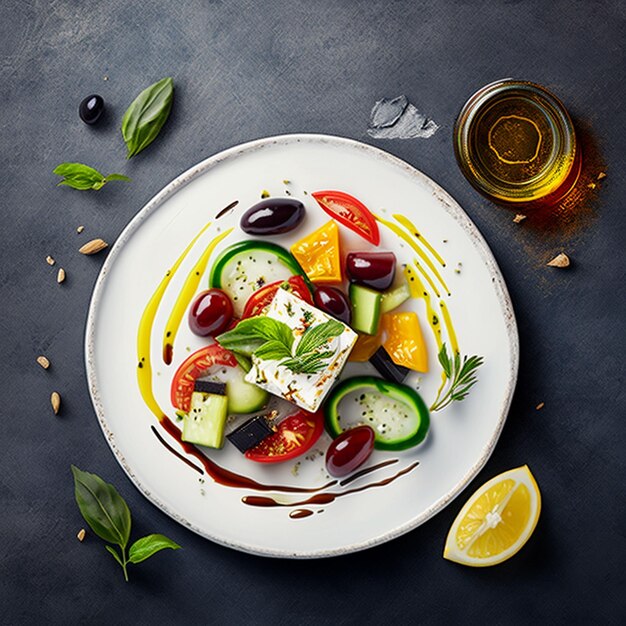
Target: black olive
[(91, 109), (272, 216)]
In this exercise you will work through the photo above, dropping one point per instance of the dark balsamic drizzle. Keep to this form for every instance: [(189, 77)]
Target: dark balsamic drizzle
[(175, 452), (225, 477), (226, 209), (300, 513), (168, 352), (325, 498), (367, 470)]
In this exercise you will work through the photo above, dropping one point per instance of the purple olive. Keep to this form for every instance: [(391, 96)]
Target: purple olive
[(349, 451), (372, 269), (332, 301), (272, 216)]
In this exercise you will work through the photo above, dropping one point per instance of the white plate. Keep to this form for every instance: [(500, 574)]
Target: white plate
[(461, 437)]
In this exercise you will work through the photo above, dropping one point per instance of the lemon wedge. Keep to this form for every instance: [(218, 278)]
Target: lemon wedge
[(496, 521)]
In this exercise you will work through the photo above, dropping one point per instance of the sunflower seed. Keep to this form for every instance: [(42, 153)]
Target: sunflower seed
[(55, 401), (60, 275), (560, 260), (94, 246), (43, 362)]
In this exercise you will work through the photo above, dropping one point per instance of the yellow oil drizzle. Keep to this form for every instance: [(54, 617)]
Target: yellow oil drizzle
[(447, 320), (401, 219), (144, 332), (408, 238), (186, 294), (418, 291), (428, 279)]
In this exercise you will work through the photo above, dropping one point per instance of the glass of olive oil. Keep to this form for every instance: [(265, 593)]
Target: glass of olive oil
[(515, 143)]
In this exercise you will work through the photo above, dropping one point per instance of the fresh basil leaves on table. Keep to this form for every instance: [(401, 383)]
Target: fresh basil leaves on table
[(109, 517), (81, 176), (146, 115)]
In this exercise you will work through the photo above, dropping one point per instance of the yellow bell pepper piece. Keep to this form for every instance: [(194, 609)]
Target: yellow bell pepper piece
[(365, 347), (318, 254), (405, 342)]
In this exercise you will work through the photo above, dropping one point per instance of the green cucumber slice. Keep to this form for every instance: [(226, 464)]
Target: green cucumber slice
[(393, 298), (244, 267), (204, 424), (396, 413), (244, 397), (365, 309)]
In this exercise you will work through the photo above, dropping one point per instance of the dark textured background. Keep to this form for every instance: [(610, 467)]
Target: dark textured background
[(245, 70)]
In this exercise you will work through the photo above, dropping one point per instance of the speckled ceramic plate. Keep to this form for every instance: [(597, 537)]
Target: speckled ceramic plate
[(404, 489)]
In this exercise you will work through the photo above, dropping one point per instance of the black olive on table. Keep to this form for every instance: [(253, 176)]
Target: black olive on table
[(91, 108)]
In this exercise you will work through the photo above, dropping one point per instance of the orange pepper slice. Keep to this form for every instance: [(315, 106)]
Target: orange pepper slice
[(319, 255), (405, 342)]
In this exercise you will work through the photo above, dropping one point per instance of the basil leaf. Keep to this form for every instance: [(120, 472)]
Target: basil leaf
[(310, 363), (315, 337), (145, 547), (77, 169), (146, 115), (273, 350), (256, 330), (116, 556), (117, 177), (81, 176), (244, 362), (103, 508)]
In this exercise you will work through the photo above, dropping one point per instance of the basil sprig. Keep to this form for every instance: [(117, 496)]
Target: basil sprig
[(81, 176), (108, 516), (146, 115), (270, 339)]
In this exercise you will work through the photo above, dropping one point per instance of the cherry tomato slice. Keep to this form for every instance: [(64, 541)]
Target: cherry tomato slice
[(350, 212), (261, 298), (195, 366), (295, 435)]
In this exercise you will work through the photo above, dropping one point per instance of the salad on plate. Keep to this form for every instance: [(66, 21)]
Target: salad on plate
[(307, 339)]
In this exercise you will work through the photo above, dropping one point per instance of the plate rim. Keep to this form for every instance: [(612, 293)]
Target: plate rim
[(453, 208)]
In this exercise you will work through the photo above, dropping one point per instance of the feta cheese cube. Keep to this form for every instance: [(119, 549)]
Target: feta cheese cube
[(305, 390)]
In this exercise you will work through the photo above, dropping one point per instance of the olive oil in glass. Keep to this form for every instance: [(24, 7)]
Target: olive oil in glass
[(516, 144)]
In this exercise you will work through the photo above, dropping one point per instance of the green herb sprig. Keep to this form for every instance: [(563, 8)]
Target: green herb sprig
[(81, 176), (270, 339), (146, 115), (460, 377), (108, 516)]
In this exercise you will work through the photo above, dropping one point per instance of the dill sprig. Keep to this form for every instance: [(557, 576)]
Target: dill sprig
[(460, 377)]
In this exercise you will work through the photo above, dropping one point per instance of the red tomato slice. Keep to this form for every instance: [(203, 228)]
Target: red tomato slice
[(296, 434), (195, 366), (350, 212), (262, 297)]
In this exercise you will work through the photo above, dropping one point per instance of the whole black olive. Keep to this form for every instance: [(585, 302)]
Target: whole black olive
[(272, 216), (91, 109)]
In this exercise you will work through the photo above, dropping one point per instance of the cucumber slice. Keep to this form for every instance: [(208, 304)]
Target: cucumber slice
[(393, 298), (244, 267), (244, 397), (365, 309), (396, 413), (204, 424)]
